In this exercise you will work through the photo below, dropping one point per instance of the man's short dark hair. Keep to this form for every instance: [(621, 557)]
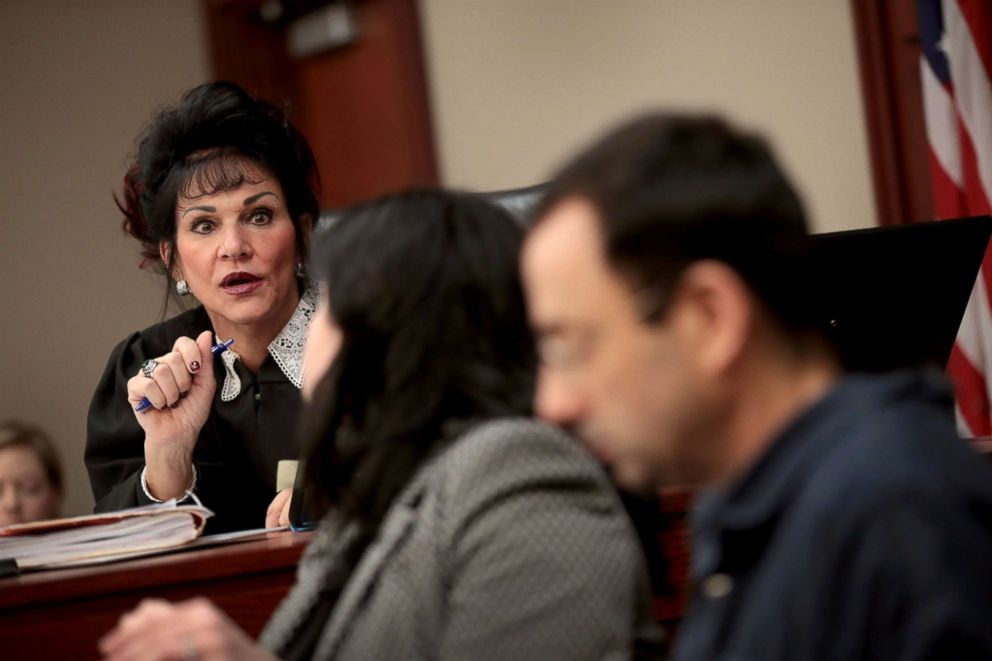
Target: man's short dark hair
[(671, 190)]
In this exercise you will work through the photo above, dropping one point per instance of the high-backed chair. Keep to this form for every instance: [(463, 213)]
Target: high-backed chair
[(520, 202)]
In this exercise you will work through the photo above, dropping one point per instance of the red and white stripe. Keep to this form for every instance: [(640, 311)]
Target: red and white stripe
[(959, 130)]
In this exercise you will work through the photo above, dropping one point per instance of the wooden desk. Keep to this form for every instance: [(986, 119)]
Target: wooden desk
[(61, 614)]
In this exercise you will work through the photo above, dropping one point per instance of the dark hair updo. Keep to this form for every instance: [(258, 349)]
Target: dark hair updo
[(212, 141)]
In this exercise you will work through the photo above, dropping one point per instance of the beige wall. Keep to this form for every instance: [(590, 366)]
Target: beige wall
[(79, 78), (517, 84)]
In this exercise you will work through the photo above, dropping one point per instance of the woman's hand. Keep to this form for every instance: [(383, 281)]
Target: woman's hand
[(278, 512), (181, 391), (196, 629)]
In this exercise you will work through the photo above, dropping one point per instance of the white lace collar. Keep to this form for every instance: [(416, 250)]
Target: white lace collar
[(286, 349)]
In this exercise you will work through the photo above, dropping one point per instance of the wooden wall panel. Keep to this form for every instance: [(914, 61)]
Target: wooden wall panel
[(889, 53), (364, 107)]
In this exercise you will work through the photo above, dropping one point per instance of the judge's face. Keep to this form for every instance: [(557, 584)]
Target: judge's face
[(25, 492), (323, 342), (237, 252), (626, 387)]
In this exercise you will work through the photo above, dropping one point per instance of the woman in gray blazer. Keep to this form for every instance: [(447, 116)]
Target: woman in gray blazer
[(454, 526)]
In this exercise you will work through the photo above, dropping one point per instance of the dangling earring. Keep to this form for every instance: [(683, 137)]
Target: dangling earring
[(301, 271), (182, 288)]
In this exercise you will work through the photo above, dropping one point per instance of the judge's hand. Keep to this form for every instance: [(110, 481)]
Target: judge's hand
[(181, 390), (278, 512), (196, 629)]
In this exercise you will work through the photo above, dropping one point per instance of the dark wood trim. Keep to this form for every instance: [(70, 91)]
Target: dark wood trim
[(364, 107), (61, 614), (418, 91), (877, 98), (888, 57), (248, 51), (277, 552)]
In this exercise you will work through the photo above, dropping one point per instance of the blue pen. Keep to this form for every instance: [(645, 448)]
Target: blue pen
[(216, 350)]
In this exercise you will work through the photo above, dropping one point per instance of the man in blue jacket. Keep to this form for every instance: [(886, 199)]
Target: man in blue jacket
[(840, 516)]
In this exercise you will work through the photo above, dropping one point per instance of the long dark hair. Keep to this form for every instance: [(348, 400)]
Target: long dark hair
[(425, 288)]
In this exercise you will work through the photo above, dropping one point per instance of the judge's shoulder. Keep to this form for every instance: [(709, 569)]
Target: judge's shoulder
[(158, 338)]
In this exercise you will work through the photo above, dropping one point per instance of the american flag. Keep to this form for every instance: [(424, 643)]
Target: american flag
[(955, 68)]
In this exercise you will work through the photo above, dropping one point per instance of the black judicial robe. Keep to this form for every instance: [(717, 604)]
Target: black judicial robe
[(239, 447)]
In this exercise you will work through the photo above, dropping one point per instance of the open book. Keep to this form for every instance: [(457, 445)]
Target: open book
[(104, 537)]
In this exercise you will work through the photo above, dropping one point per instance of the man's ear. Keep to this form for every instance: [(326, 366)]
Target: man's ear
[(714, 311)]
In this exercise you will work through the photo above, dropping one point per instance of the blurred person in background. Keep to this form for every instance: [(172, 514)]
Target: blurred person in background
[(221, 197), (456, 526), (839, 515), (30, 474)]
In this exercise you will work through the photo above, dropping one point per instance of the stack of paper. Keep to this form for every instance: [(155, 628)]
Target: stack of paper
[(101, 537)]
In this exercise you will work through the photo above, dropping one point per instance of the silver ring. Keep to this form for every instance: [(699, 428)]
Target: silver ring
[(189, 650), (148, 367)]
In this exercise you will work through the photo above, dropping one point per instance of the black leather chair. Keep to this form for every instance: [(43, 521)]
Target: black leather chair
[(520, 202)]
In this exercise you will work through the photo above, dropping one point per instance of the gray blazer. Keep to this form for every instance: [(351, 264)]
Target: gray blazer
[(510, 545)]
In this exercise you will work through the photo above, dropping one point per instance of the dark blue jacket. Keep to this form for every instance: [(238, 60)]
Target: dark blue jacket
[(864, 532)]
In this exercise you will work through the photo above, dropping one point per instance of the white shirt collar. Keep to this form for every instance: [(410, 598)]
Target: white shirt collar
[(286, 349)]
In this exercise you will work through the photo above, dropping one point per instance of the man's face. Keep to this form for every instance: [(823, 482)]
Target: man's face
[(628, 388)]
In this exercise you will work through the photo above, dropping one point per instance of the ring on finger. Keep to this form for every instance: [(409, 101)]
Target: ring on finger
[(148, 367)]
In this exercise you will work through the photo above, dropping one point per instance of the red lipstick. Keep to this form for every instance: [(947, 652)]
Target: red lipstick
[(240, 282)]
